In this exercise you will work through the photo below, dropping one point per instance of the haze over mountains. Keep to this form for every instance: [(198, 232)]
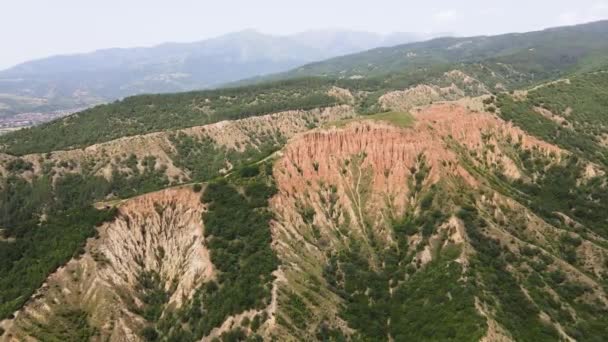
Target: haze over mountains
[(76, 81)]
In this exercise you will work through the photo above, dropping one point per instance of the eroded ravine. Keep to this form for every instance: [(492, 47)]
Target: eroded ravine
[(345, 188), (160, 233)]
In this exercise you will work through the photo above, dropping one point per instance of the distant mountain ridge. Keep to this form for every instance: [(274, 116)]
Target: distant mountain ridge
[(540, 54), (70, 81)]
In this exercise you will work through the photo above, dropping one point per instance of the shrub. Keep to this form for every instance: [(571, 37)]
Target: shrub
[(149, 334), (19, 165), (249, 171)]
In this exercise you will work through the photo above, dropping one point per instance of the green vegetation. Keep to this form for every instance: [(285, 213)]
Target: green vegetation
[(149, 334), (398, 119), (50, 221), (520, 315), (238, 233), (509, 60), (408, 311), (296, 309), (512, 60), (151, 292), (581, 103), (416, 316), (204, 159), (515, 312), (387, 293), (239, 240), (19, 165), (516, 58), (40, 248), (66, 325), (411, 309), (69, 219), (558, 190), (561, 192), (395, 118), (386, 290), (234, 335), (152, 295), (135, 181), (152, 113)]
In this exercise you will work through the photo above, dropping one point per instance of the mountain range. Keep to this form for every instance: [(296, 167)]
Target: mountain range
[(540, 54), (77, 81)]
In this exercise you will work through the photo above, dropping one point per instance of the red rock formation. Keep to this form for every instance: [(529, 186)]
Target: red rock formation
[(391, 153)]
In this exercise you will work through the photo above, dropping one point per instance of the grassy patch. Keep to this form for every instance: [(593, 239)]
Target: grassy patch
[(399, 119)]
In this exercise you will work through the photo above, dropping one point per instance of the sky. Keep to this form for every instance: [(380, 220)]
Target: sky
[(31, 29)]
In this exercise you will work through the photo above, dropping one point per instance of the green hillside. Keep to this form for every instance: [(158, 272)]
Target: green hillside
[(537, 55), (575, 114), (152, 113)]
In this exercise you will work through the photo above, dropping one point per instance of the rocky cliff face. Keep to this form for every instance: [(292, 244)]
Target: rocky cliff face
[(157, 236), (384, 158)]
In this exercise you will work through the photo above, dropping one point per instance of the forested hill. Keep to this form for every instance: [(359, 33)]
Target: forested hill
[(542, 54), (152, 113)]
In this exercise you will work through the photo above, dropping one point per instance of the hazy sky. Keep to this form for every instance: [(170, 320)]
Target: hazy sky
[(37, 28)]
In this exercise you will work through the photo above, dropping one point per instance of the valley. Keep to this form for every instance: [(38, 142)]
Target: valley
[(15, 122)]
